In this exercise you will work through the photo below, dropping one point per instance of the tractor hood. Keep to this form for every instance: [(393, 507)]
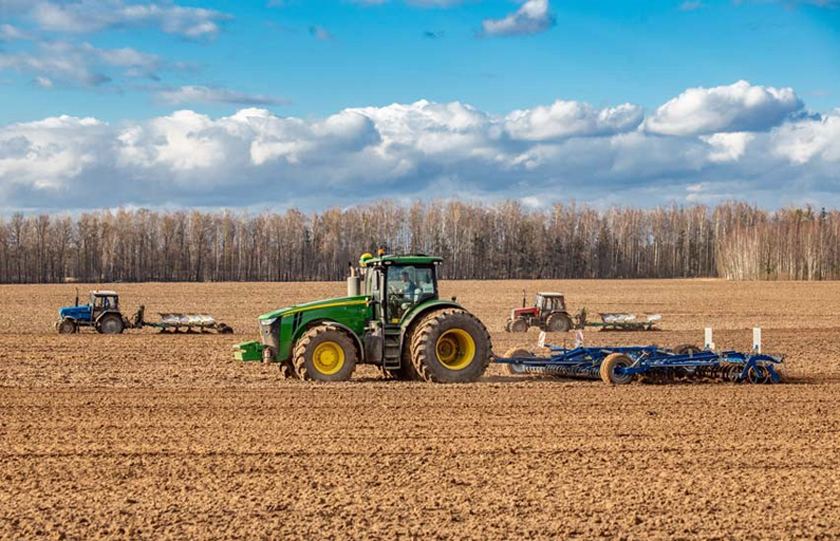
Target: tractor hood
[(359, 300), (75, 312)]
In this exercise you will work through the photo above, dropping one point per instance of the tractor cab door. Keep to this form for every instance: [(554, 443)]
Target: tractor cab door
[(102, 304), (408, 286)]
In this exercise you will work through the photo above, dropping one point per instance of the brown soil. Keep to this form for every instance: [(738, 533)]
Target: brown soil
[(147, 436)]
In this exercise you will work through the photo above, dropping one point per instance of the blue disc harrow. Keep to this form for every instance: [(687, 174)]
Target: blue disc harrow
[(621, 365)]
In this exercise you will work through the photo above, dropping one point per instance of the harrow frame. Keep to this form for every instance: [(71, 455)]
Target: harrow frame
[(654, 361)]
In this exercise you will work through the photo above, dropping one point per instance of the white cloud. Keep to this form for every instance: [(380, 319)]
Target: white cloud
[(737, 107), (810, 140), (422, 149), (571, 118), (92, 15), (83, 65), (191, 94), (533, 17), (727, 147)]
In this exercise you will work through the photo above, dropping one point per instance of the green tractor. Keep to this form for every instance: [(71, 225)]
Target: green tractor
[(392, 317)]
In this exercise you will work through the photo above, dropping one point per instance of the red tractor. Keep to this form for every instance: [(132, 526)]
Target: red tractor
[(549, 314)]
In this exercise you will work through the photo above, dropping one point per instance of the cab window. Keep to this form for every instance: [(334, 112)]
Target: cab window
[(407, 286)]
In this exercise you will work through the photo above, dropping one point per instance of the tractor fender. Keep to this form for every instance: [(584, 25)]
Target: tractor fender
[(419, 311), (345, 328)]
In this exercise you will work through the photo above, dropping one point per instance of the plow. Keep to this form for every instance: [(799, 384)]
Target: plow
[(651, 364)]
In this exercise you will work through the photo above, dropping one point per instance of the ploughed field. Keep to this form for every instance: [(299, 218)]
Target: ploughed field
[(150, 436)]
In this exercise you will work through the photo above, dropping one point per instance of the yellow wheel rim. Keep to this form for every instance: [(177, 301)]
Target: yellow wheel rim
[(455, 349), (328, 357)]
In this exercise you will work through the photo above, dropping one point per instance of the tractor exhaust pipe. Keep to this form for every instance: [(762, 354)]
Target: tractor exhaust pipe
[(353, 282)]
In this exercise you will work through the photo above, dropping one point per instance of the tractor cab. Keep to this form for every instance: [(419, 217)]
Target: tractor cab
[(548, 303), (399, 283), (103, 301)]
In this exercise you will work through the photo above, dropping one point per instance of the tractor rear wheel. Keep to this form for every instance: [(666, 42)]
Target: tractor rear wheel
[(609, 366), (558, 323), (517, 353), (324, 353), (519, 325), (450, 346), (67, 326), (110, 324)]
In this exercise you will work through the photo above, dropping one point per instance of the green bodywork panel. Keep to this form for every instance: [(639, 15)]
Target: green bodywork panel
[(412, 314), (350, 312)]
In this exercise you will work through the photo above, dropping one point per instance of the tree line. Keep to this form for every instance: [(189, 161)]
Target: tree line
[(478, 241)]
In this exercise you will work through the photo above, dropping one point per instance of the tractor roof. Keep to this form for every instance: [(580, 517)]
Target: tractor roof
[(104, 293), (392, 259), (550, 295)]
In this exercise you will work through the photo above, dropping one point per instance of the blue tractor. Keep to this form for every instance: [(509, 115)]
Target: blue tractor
[(102, 313)]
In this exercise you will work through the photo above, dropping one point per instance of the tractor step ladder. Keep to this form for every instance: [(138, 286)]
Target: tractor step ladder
[(391, 357)]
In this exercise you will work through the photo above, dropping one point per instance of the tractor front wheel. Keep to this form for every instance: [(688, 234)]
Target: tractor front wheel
[(324, 353), (450, 346), (67, 327), (558, 323), (110, 324), (519, 325)]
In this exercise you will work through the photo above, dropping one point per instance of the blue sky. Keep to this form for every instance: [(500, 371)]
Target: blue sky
[(117, 69)]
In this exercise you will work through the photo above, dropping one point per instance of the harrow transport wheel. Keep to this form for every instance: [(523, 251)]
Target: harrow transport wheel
[(324, 353), (758, 374), (609, 365), (450, 346), (516, 353), (558, 323), (67, 327), (519, 325), (110, 324), (687, 349)]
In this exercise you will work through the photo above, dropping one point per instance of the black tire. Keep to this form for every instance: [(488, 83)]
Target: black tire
[(110, 324), (687, 349), (507, 325), (67, 326), (608, 366), (335, 362), (519, 325), (558, 323), (225, 329), (516, 369), (450, 346)]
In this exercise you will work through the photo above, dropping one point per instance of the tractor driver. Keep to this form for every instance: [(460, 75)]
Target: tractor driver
[(410, 288)]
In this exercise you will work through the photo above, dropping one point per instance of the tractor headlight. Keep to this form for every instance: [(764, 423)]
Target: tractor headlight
[(268, 322)]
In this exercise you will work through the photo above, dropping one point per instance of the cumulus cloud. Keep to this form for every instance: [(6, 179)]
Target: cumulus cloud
[(532, 17), (191, 94), (424, 149), (571, 118), (93, 15), (737, 107)]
